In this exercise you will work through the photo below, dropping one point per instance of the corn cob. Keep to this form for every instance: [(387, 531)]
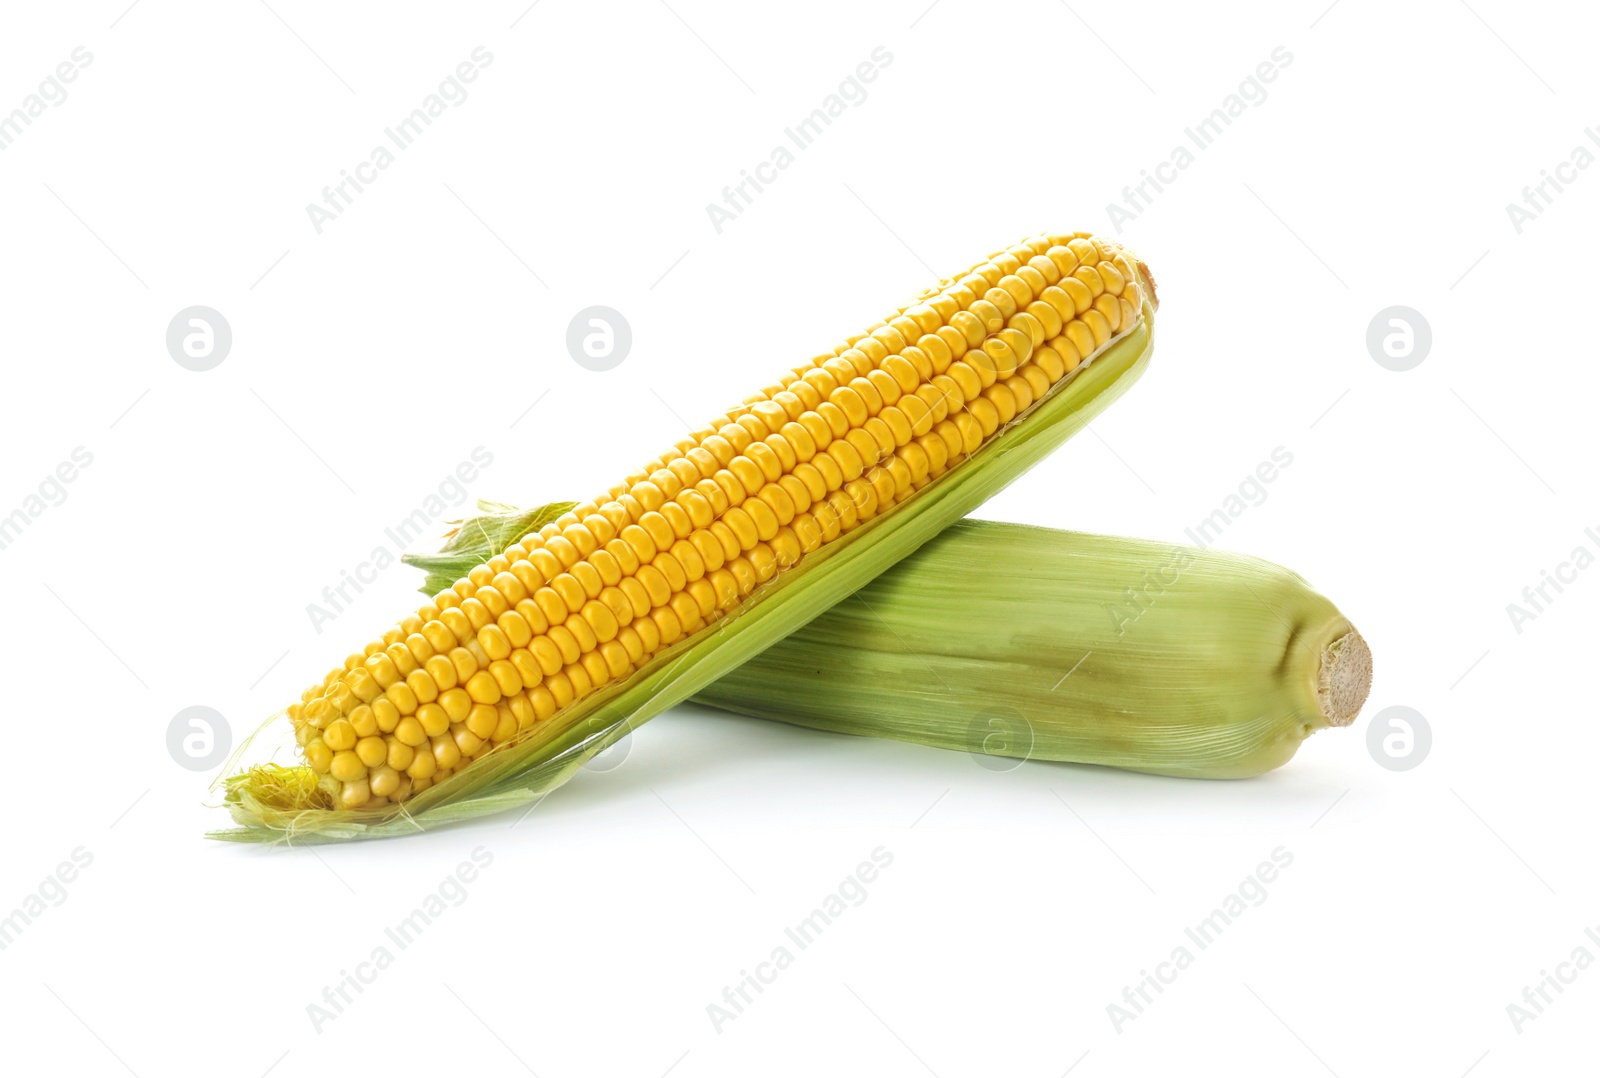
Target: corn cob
[(1133, 654), (598, 620)]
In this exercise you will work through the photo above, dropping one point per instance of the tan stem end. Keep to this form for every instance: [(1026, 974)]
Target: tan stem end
[(1344, 678)]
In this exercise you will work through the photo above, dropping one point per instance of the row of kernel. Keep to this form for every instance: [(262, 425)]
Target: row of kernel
[(795, 382), (386, 760), (952, 435), (1089, 335)]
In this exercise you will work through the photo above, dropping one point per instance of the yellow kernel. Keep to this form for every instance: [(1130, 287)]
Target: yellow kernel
[(1110, 308), (483, 689), (550, 604), (492, 601), (434, 719), (505, 677), (410, 731), (401, 696), (460, 626), (1098, 326), (1110, 277), (456, 703), (596, 668), (563, 548), (400, 755), (483, 720), (522, 711), (467, 742), (494, 642), (347, 766), (850, 463), (422, 686), (340, 735), (526, 666), (382, 669), (995, 407), (786, 547), (384, 781), (319, 756), (477, 615), (546, 653), (667, 624), (442, 672), (1081, 338), (848, 401), (601, 620), (445, 751), (371, 751), (439, 637), (560, 689), (971, 431), (688, 610), (581, 538), (582, 684), (764, 563), (423, 767), (507, 585)]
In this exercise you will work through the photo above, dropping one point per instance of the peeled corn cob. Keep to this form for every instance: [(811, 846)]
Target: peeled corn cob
[(596, 621), (1138, 655)]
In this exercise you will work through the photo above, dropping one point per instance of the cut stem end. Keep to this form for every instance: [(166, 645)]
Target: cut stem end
[(1344, 679)]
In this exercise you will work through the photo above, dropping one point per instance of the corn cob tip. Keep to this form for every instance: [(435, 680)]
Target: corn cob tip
[(1344, 679), (1149, 282)]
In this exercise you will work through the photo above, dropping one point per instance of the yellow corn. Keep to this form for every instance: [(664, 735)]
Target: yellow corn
[(590, 597)]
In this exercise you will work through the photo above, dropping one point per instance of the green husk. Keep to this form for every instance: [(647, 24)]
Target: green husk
[(480, 538), (529, 769), (1015, 641)]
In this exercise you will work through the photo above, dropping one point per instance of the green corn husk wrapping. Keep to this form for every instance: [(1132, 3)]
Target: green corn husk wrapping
[(527, 770), (1009, 640), (1024, 642)]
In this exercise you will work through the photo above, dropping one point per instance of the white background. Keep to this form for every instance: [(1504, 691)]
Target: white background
[(429, 318)]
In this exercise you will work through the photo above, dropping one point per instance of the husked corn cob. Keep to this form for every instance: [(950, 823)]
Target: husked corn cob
[(511, 651), (1083, 648)]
